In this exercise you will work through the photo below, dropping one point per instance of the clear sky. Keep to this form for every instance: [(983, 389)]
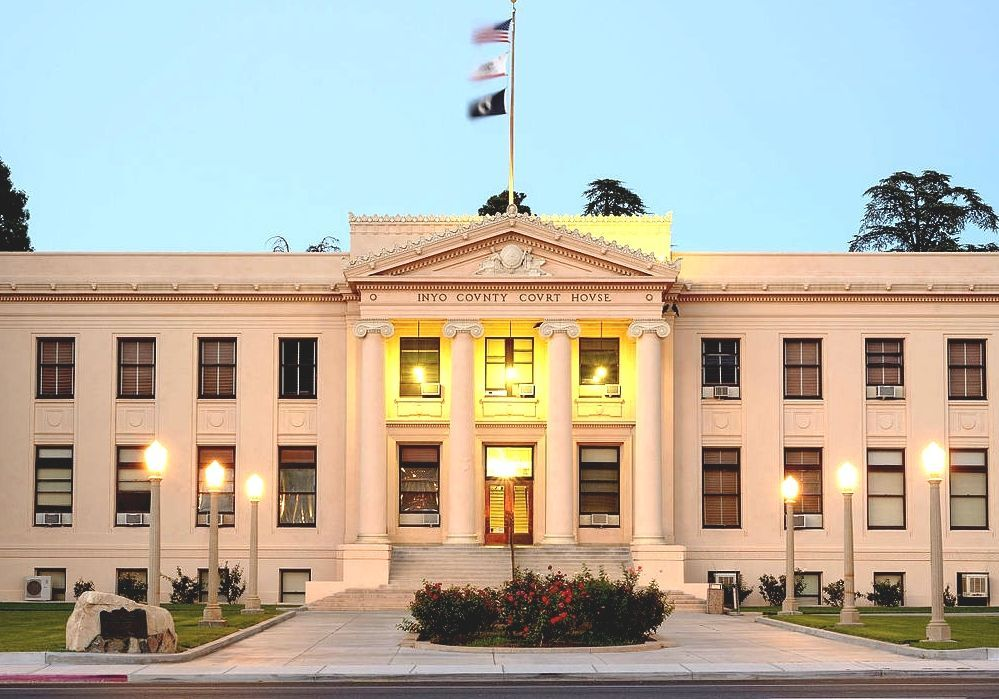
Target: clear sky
[(191, 125)]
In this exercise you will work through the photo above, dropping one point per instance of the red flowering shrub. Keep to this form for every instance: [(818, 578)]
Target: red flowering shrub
[(451, 614), (541, 610)]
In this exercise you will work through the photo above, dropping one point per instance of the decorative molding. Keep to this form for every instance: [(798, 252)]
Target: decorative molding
[(836, 298), (549, 328), (472, 327), (382, 327), (512, 261), (59, 297), (640, 327), (631, 284)]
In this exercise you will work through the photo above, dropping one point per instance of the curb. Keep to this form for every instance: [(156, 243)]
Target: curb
[(68, 658), (898, 649), (509, 650)]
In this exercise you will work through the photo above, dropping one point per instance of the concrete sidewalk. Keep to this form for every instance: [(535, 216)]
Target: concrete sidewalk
[(331, 645)]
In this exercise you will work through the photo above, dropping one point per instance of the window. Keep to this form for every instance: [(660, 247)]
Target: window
[(892, 579), (54, 486), (812, 592), (885, 489), (884, 362), (226, 456), (719, 362), (56, 364), (419, 485), (298, 368), (296, 486), (802, 368), (293, 585), (58, 576), (598, 361), (972, 589), (509, 362), (128, 579), (419, 363), (969, 488), (136, 367), (217, 368), (965, 369), (132, 495), (721, 489), (599, 485), (806, 466)]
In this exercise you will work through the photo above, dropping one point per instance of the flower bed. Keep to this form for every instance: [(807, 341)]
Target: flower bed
[(534, 610)]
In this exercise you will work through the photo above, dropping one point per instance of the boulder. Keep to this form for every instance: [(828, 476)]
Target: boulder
[(124, 627)]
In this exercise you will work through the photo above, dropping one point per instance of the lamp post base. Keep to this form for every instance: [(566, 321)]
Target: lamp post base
[(849, 617), (788, 608), (212, 616), (938, 631), (252, 606)]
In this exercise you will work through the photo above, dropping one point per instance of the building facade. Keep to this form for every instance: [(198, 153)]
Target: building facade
[(458, 381)]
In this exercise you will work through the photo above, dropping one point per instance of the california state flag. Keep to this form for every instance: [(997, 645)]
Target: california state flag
[(495, 68)]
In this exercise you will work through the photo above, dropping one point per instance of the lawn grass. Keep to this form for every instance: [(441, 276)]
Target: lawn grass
[(910, 629), (38, 627), (829, 609)]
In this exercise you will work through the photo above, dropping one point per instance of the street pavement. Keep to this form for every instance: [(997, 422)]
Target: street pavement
[(340, 645)]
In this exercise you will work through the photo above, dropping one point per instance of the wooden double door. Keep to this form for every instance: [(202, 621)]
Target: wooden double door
[(509, 509)]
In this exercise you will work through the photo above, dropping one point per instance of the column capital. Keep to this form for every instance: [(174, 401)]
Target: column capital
[(640, 327), (550, 328), (472, 327), (382, 327)]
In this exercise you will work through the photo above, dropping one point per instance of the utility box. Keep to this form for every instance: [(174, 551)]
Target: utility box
[(716, 599)]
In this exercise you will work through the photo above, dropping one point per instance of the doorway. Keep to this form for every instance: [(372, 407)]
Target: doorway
[(509, 495)]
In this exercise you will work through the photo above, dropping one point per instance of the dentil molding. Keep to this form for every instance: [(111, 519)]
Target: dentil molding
[(382, 327), (640, 327), (549, 327), (472, 327)]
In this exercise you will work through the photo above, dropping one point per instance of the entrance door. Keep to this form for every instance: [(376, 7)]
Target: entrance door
[(509, 495)]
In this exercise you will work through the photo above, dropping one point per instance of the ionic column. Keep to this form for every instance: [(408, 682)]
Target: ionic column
[(647, 484), (372, 468), (560, 486), (461, 499)]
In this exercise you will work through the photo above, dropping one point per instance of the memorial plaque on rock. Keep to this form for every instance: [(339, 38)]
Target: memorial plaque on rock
[(121, 623)]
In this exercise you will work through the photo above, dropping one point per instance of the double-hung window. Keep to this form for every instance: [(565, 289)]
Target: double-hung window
[(56, 366), (296, 486), (132, 493), (806, 466), (509, 363), (802, 368), (53, 486), (419, 485), (599, 486), (419, 364), (720, 367), (599, 361), (57, 577), (226, 456), (884, 367), (966, 369), (886, 489), (136, 367), (217, 368), (298, 368), (721, 506), (969, 489)]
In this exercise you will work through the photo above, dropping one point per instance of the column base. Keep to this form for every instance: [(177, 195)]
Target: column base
[(648, 541), (849, 617), (372, 538), (461, 540), (558, 539), (252, 606), (789, 608), (212, 616), (938, 631)]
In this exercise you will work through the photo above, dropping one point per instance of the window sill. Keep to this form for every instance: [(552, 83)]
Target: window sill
[(419, 399)]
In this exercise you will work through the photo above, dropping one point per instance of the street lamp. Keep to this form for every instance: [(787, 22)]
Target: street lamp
[(505, 471), (847, 477), (935, 464), (254, 491), (789, 491), (214, 479), (156, 458)]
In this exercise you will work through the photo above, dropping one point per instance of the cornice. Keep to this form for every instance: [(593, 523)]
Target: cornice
[(686, 297), (440, 218), (141, 297), (640, 284)]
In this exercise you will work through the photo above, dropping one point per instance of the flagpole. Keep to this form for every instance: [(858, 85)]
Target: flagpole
[(511, 206)]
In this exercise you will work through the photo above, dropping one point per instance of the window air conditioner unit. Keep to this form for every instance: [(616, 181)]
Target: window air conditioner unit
[(724, 391), (612, 390), (599, 520), (526, 390), (885, 392), (975, 585), (132, 518), (808, 521), (430, 390), (38, 588), (496, 392), (419, 519), (225, 519), (54, 519)]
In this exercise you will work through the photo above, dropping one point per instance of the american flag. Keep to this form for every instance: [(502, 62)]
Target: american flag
[(494, 33)]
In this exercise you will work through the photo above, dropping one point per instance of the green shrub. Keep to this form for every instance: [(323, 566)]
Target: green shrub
[(185, 588), (886, 594), (772, 589), (132, 587), (834, 593), (950, 599), (81, 586), (450, 614), (231, 585)]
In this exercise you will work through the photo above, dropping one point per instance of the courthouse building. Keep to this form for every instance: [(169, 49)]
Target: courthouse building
[(452, 382)]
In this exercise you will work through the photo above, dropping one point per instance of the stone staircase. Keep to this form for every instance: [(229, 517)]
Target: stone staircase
[(481, 566), (684, 602)]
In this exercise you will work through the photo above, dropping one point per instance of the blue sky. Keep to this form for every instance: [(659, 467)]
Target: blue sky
[(211, 126)]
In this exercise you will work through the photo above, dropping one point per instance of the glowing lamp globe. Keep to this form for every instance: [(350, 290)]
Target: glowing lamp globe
[(419, 374), (934, 462), (156, 458), (789, 489), (847, 478), (255, 488), (600, 374), (214, 477)]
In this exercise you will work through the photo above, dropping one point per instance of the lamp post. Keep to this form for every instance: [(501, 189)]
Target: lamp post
[(156, 458), (214, 479), (847, 477), (935, 464), (254, 491), (789, 491)]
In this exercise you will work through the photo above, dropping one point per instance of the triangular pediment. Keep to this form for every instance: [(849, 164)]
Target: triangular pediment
[(510, 248)]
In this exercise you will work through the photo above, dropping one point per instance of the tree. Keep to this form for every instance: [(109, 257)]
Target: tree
[(279, 243), (13, 215), (921, 213), (497, 203), (612, 198)]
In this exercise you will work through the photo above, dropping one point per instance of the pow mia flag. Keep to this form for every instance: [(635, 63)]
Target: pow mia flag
[(490, 105)]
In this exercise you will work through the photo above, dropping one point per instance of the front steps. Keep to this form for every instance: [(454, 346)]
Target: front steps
[(481, 566)]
